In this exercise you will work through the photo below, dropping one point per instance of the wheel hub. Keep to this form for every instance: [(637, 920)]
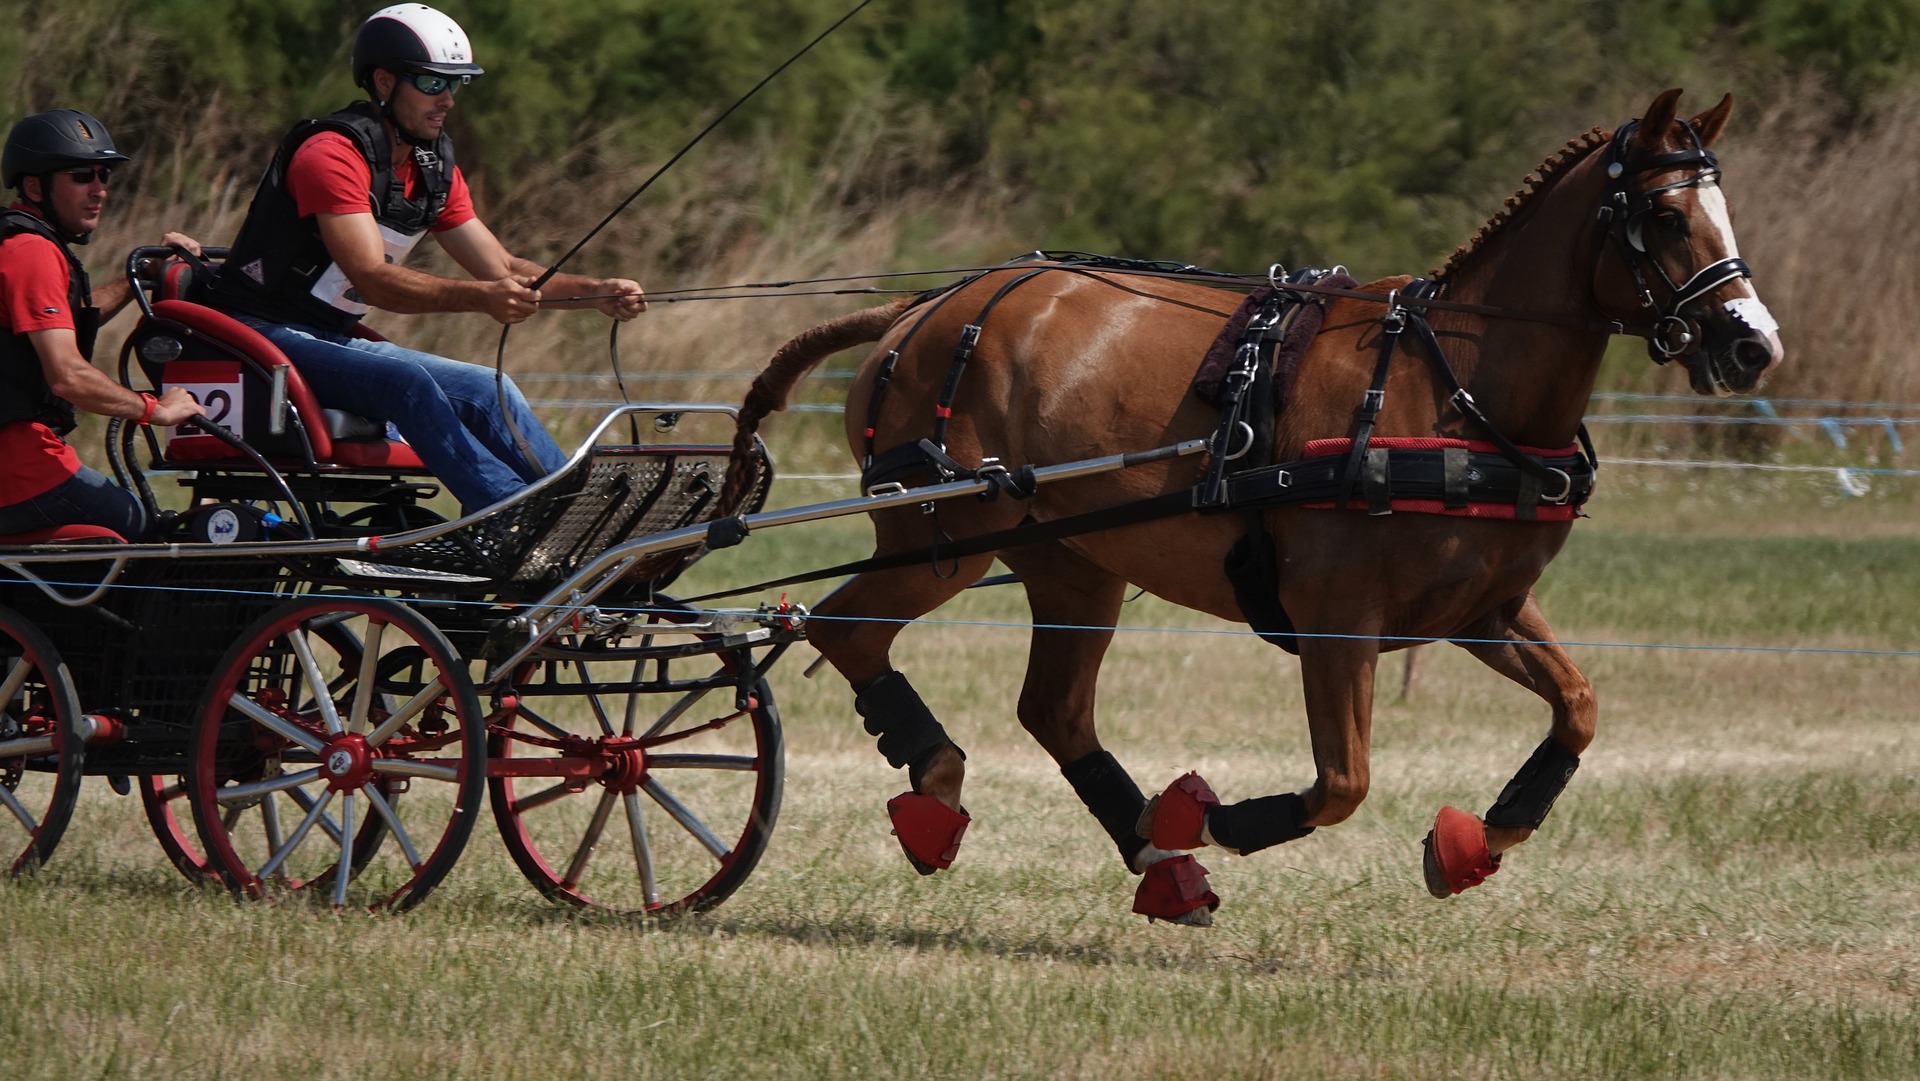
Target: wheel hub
[(348, 763), (626, 767)]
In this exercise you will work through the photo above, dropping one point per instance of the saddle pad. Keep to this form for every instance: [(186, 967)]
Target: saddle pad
[(1300, 332)]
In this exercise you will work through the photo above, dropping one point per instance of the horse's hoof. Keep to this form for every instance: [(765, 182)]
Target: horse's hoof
[(1173, 820), (929, 831), (1456, 857), (1175, 889)]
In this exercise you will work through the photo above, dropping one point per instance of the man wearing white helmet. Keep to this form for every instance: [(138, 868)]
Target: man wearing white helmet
[(347, 197)]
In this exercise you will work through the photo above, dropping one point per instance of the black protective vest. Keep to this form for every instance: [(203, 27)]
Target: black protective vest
[(24, 394), (279, 258)]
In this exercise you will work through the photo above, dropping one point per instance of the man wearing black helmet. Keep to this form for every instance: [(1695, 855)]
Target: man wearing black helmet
[(60, 162), (347, 197)]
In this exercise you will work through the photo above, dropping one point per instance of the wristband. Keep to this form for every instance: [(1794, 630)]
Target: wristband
[(146, 415)]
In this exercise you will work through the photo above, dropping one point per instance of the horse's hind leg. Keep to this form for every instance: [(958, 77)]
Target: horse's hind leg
[(1074, 605), (854, 628), (1516, 642)]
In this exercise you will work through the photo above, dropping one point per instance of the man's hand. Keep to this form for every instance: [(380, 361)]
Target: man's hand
[(620, 298), (509, 300), (175, 406), (181, 241)]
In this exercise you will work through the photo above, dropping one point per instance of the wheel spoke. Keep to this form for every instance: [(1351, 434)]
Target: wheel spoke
[(270, 823), (642, 852), (578, 866), (365, 689), (632, 720), (405, 713), (544, 725), (284, 782), (542, 798), (277, 724), (333, 830), (343, 871), (593, 699), (299, 834), (385, 810), (676, 711), (17, 672), (19, 812), (687, 819), (316, 680)]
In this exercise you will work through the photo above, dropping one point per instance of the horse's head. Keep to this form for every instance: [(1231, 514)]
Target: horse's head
[(1670, 231)]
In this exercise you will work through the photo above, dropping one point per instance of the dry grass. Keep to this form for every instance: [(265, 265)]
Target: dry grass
[(1726, 891)]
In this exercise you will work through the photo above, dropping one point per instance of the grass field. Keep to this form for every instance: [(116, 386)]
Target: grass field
[(1728, 889)]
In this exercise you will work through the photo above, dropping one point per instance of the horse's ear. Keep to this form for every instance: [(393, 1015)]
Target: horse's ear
[(1709, 123), (1653, 126)]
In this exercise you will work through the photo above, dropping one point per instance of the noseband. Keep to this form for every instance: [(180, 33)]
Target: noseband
[(1623, 218)]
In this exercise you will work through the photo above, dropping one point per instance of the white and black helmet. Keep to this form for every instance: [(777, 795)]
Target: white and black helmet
[(411, 37)]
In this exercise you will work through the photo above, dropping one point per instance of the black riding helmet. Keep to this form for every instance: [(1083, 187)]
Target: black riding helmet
[(48, 142), (411, 37), (45, 143)]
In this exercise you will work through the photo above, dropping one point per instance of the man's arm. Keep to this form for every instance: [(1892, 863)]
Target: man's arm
[(353, 240), (73, 378), (480, 253), (117, 292)]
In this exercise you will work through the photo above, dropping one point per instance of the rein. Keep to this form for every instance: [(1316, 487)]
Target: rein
[(500, 354)]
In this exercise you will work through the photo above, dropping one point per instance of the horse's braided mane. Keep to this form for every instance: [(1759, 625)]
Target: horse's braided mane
[(1540, 179)]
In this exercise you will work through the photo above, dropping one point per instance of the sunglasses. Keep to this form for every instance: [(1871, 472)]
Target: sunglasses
[(85, 174), (433, 85)]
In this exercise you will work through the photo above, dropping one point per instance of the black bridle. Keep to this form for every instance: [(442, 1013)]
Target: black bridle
[(1623, 216)]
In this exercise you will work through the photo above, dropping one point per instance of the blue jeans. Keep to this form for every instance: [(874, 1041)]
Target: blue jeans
[(449, 411), (86, 498)]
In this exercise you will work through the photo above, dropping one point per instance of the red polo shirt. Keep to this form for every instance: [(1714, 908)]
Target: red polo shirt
[(328, 176), (33, 296)]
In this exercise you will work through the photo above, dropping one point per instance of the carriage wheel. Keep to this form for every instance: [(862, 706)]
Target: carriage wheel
[(165, 797), (164, 800), (40, 746), (303, 756), (666, 810)]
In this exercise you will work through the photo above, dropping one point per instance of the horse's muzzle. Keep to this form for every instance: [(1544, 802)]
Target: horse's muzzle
[(1734, 358)]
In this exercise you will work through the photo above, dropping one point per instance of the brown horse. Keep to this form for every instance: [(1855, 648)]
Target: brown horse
[(1613, 229)]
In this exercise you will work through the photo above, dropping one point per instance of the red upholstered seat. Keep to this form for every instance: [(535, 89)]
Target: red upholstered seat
[(189, 446), (63, 534)]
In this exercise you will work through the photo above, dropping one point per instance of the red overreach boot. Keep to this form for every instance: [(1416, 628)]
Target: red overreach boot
[(1176, 889), (929, 830), (1457, 858)]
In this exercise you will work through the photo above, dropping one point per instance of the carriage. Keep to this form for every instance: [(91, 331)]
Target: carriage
[(313, 677)]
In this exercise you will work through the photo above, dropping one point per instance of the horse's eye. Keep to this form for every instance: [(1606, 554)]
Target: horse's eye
[(1670, 220)]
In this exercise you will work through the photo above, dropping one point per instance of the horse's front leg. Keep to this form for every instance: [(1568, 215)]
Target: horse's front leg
[(1337, 673), (1515, 641), (1074, 605)]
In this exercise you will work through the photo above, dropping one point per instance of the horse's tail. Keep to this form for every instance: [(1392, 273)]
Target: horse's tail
[(790, 363)]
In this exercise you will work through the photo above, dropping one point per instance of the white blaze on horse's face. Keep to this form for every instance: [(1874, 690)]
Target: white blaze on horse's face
[(1747, 306)]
